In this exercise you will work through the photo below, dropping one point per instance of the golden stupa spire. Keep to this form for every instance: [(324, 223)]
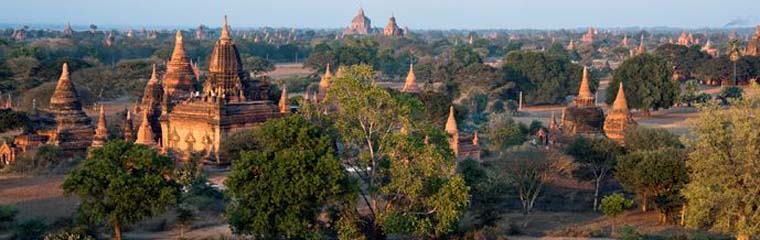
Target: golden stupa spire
[(284, 105), (153, 77), (225, 31), (325, 81), (620, 103), (451, 123), (585, 91), (65, 71), (145, 133), (411, 81)]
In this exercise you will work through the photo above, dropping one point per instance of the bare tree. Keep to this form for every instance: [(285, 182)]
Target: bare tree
[(529, 169)]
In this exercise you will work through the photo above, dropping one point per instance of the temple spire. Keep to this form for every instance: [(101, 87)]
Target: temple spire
[(225, 31), (101, 132), (129, 129), (325, 81), (145, 133), (411, 81), (284, 105), (620, 102), (451, 123)]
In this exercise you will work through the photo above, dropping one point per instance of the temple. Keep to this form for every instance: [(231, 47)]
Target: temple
[(101, 132), (710, 49), (68, 31), (583, 116), (589, 37), (229, 102), (360, 25), (684, 40), (618, 118), (753, 48), (324, 84), (464, 147), (410, 86), (392, 29)]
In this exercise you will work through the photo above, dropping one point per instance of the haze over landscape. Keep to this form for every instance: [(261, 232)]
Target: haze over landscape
[(421, 14)]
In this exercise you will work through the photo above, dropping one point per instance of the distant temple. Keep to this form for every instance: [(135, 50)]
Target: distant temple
[(753, 48), (360, 25), (68, 31), (463, 146), (180, 79), (229, 102), (589, 37), (392, 29), (583, 116), (618, 118), (710, 49)]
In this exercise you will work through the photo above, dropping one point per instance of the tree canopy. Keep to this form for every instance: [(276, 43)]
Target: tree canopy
[(544, 78), (648, 83), (122, 183)]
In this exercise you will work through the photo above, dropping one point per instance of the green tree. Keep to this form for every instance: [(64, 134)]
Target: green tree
[(280, 189), (734, 53), (408, 185), (723, 167), (653, 174), (257, 65), (596, 159), (614, 205), (544, 78), (648, 83), (122, 183), (503, 132), (642, 138)]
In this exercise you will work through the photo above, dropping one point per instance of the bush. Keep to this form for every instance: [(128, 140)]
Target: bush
[(614, 204), (31, 229), (628, 233), (7, 214), (69, 235)]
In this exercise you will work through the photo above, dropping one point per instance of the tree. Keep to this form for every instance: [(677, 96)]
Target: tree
[(280, 189), (528, 170), (10, 120), (656, 175), (614, 204), (122, 183), (722, 194), (503, 132), (648, 83), (408, 185), (257, 65), (544, 78), (734, 53), (642, 138), (22, 67), (596, 158), (685, 60)]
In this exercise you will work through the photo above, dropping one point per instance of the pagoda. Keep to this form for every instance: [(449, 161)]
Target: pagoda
[(74, 131), (410, 86), (101, 132), (683, 39), (180, 79), (642, 49), (129, 129), (464, 147), (229, 102), (360, 25), (753, 48), (324, 84), (583, 116), (618, 118), (68, 31), (710, 49), (145, 133), (589, 37), (392, 29)]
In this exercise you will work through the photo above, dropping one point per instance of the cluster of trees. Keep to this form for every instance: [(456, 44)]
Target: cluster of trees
[(692, 63)]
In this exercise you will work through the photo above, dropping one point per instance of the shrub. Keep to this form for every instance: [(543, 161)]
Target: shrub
[(614, 204), (628, 233), (31, 229)]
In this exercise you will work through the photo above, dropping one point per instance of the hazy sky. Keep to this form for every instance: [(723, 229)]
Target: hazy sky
[(415, 14)]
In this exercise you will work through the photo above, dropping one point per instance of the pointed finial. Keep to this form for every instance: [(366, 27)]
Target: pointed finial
[(620, 102), (65, 70), (585, 91), (178, 36), (284, 105), (451, 124), (153, 75), (225, 30)]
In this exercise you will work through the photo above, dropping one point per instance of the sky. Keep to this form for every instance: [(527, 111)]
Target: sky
[(415, 14)]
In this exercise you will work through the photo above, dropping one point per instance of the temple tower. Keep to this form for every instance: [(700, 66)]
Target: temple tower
[(101, 132), (145, 133), (452, 131), (324, 83), (180, 80), (583, 116), (410, 85), (72, 124), (392, 29), (129, 129), (360, 25), (152, 101), (618, 118), (753, 48)]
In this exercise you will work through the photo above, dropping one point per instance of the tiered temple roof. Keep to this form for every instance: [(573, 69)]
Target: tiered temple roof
[(68, 31), (463, 146), (360, 25), (583, 116), (179, 80), (145, 133), (589, 37), (618, 118), (753, 48), (392, 29), (73, 125), (683, 39), (410, 85), (710, 49)]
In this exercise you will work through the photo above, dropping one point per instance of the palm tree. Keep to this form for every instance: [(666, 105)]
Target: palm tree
[(734, 53)]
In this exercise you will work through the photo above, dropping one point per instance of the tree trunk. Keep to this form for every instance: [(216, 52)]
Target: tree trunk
[(596, 195), (116, 232), (683, 215), (742, 237)]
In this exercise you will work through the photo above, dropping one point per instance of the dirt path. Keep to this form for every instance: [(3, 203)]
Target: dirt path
[(37, 196)]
